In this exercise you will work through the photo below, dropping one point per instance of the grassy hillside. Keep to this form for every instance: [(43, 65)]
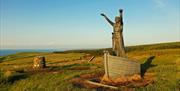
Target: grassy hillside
[(99, 52), (16, 73)]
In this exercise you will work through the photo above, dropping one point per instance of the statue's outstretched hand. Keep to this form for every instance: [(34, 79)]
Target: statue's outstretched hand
[(107, 19), (120, 10), (103, 14)]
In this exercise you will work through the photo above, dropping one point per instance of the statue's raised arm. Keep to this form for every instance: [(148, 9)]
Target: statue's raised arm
[(121, 15), (117, 35), (112, 23)]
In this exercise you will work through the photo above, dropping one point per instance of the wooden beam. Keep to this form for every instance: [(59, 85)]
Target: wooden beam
[(91, 59), (101, 85)]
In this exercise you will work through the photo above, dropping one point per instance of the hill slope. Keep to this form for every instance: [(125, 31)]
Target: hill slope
[(16, 72)]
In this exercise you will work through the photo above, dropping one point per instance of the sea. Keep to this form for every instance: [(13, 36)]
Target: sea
[(4, 52)]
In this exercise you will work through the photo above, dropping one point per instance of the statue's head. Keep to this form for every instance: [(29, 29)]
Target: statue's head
[(117, 19)]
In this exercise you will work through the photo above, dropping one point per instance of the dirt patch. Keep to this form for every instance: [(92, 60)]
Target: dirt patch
[(128, 83), (81, 83)]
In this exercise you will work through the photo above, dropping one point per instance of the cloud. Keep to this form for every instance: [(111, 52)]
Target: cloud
[(159, 3)]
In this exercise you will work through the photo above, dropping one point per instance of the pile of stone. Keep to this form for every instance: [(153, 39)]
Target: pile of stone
[(39, 62)]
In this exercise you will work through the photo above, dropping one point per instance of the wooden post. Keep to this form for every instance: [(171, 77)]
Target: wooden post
[(106, 63), (91, 59), (101, 85)]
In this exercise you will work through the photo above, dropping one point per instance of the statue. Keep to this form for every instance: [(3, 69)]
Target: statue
[(117, 35), (118, 65)]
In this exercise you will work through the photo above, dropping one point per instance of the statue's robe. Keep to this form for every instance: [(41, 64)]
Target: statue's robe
[(117, 40)]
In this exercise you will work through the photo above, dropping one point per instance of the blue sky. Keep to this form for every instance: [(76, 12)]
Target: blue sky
[(67, 24)]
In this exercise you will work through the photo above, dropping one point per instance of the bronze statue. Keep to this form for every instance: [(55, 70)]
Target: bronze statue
[(117, 35)]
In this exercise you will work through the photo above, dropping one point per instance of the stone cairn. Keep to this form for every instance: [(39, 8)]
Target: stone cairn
[(39, 62)]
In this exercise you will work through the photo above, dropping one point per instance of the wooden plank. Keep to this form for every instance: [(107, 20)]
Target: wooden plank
[(102, 85), (119, 62), (119, 71), (91, 59), (105, 63), (118, 66), (122, 59)]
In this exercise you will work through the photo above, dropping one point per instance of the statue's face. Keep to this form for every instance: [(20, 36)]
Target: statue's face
[(117, 19)]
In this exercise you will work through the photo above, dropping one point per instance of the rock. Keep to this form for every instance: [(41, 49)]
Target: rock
[(39, 62)]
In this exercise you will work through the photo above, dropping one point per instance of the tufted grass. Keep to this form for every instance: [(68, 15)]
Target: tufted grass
[(16, 73)]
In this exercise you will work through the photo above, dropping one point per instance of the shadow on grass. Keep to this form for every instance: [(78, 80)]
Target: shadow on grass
[(146, 65), (13, 78), (2, 59)]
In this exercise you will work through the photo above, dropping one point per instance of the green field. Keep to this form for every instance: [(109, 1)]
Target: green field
[(16, 73)]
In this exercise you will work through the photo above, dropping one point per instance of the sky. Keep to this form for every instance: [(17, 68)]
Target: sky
[(77, 24)]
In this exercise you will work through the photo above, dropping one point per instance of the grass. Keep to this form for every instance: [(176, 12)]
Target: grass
[(99, 52), (16, 73)]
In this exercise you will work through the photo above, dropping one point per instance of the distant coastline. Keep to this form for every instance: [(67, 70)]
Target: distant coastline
[(166, 45), (4, 52)]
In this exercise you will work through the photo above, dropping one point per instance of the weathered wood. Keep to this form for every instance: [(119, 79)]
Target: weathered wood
[(101, 85), (105, 63), (91, 58), (117, 35), (118, 66)]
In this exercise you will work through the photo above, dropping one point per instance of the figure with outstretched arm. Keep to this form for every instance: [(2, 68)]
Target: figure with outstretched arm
[(110, 22), (117, 38)]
